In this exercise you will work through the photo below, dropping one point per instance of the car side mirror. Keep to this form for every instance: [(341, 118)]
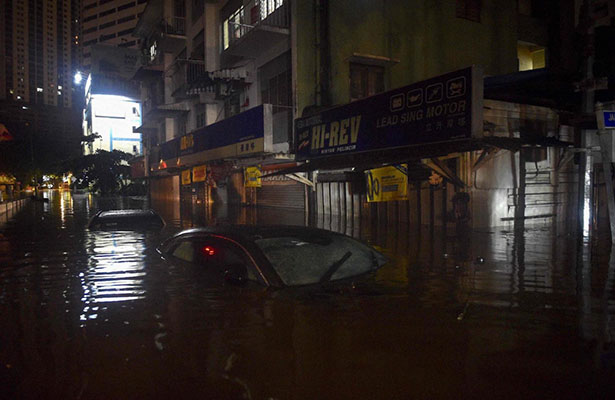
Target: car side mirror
[(236, 274)]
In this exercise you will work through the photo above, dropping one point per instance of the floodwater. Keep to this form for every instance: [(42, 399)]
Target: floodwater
[(491, 314)]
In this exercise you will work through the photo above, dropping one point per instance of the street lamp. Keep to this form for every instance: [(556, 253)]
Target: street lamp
[(78, 78)]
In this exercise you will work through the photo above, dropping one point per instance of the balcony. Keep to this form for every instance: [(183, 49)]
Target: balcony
[(255, 27), (172, 34), (156, 27), (191, 79)]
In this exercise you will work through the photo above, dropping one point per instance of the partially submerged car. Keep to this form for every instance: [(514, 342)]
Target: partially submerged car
[(130, 219), (277, 256)]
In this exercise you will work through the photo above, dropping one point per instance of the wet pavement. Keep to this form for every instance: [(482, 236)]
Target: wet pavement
[(490, 314)]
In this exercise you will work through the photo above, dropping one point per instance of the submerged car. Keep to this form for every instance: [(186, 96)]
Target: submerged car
[(130, 219), (277, 256)]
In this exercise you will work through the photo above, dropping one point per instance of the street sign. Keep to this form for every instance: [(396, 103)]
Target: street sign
[(608, 119)]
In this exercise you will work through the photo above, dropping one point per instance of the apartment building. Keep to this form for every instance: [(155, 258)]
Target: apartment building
[(38, 58), (39, 50), (225, 83), (108, 22)]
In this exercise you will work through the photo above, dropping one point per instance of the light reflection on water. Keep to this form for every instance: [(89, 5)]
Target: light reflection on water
[(454, 314), (116, 268)]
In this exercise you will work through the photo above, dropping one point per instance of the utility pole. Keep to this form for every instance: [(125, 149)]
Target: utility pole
[(585, 28)]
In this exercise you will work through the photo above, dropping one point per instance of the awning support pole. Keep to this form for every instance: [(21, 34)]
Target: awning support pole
[(607, 166)]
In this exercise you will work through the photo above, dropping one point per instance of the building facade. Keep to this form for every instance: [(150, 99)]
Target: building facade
[(39, 51), (225, 83), (39, 102), (108, 22)]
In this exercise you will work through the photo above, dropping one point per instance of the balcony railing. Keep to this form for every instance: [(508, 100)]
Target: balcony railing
[(272, 13), (186, 74), (174, 26)]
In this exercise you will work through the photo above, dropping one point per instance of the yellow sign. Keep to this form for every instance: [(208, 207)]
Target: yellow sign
[(186, 177), (253, 177), (387, 183), (186, 142), (199, 173)]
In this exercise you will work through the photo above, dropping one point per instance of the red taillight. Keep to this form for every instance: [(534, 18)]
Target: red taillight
[(209, 251)]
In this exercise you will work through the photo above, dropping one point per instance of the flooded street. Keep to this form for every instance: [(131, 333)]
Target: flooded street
[(491, 314)]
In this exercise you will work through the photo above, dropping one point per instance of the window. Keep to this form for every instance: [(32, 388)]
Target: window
[(108, 12), (106, 37), (532, 8), (233, 28), (124, 32), (108, 24), (469, 9), (179, 8), (126, 6), (365, 80), (277, 92), (90, 18), (125, 19), (198, 46), (89, 6), (181, 126), (530, 56), (127, 44), (201, 116), (213, 255), (267, 7)]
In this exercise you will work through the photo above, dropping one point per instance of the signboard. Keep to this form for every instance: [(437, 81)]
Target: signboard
[(387, 183), (239, 135), (186, 177), (444, 108), (606, 119), (199, 173), (253, 177)]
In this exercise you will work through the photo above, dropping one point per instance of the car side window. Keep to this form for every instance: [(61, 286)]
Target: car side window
[(215, 254), (184, 251)]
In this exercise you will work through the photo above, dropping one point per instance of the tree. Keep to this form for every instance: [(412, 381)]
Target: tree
[(102, 171)]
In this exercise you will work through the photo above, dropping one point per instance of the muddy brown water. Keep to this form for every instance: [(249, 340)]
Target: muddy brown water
[(489, 314)]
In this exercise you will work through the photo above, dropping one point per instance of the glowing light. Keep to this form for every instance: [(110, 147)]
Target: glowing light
[(210, 251), (78, 77)]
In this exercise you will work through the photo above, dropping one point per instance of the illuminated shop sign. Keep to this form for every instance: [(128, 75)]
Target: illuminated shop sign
[(444, 108), (240, 135)]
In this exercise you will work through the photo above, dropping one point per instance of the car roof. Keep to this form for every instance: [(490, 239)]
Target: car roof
[(129, 218), (252, 231)]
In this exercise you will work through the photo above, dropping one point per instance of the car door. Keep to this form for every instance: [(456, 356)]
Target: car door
[(215, 258)]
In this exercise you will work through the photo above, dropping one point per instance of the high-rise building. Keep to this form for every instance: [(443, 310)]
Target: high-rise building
[(39, 42), (108, 22), (39, 101)]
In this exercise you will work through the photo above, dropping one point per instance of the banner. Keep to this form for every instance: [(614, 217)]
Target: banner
[(387, 183), (253, 177), (199, 173), (186, 177)]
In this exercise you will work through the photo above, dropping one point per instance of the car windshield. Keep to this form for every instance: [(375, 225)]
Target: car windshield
[(307, 260)]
